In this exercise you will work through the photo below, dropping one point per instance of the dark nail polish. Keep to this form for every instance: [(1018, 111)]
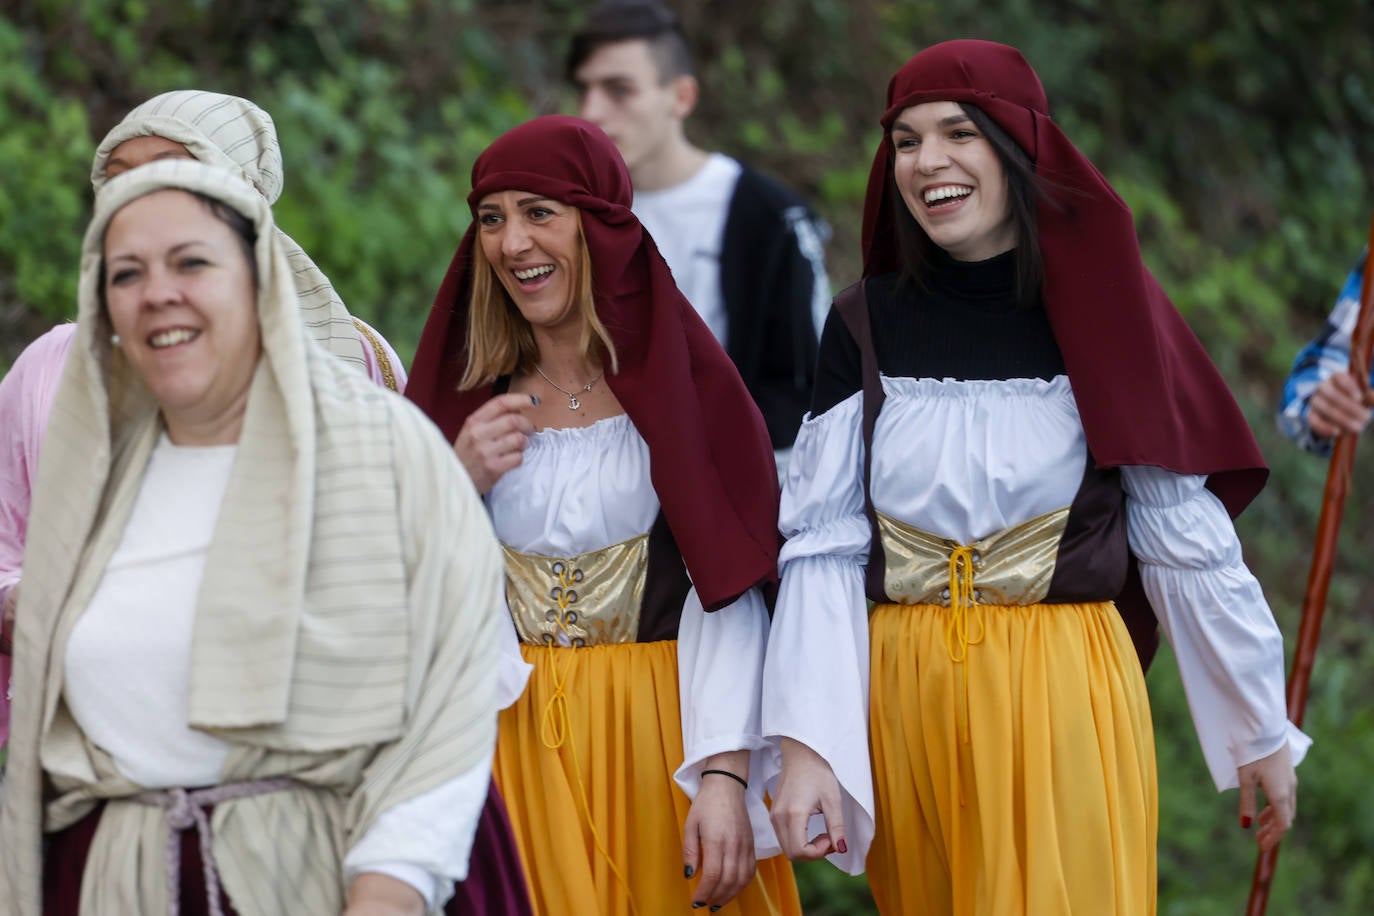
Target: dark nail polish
[(1245, 822), (534, 400), (688, 871), (716, 907), (841, 847), (697, 906)]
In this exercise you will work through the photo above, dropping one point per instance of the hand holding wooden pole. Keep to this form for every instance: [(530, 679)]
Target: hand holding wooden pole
[(1323, 555)]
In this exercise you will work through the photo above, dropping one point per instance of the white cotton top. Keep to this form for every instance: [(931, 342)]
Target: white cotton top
[(687, 222), (582, 489), (129, 657), (127, 669), (965, 459)]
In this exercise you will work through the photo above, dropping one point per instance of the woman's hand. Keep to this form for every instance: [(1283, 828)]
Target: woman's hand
[(718, 843), (7, 620), (1274, 774), (493, 439), (374, 894), (1338, 406), (807, 786)]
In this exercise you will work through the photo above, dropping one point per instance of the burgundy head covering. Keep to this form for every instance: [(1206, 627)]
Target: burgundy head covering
[(709, 453), (1146, 390)]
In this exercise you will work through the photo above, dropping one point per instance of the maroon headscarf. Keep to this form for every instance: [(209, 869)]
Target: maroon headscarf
[(1146, 390), (710, 458)]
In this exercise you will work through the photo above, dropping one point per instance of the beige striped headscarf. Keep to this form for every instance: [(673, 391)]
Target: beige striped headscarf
[(228, 131), (345, 629)]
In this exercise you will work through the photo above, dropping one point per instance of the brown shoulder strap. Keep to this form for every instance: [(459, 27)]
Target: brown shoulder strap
[(852, 304)]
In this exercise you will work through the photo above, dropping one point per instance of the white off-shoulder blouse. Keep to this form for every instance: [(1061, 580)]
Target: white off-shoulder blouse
[(581, 489), (965, 459)]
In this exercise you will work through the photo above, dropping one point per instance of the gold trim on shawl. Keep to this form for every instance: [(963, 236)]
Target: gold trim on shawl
[(592, 599), (383, 361), (1011, 567)]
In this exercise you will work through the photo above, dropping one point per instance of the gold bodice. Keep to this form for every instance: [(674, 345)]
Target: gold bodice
[(586, 600), (1012, 566)]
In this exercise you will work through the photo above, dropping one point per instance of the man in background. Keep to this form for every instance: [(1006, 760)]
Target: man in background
[(746, 251)]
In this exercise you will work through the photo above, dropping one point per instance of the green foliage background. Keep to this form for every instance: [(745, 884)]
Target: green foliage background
[(1239, 132)]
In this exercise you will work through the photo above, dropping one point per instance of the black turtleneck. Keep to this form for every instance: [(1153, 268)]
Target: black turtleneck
[(967, 325)]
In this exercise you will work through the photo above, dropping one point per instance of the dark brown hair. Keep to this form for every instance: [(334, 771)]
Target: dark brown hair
[(629, 20)]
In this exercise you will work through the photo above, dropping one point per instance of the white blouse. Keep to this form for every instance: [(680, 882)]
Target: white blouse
[(582, 489), (127, 673), (965, 459)]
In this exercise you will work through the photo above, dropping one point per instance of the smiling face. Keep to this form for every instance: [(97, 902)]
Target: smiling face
[(181, 295), (534, 244), (140, 151), (951, 180)]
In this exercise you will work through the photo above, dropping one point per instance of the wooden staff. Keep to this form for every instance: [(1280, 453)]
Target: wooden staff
[(1323, 554)]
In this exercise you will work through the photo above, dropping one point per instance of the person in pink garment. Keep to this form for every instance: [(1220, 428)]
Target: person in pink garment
[(178, 124)]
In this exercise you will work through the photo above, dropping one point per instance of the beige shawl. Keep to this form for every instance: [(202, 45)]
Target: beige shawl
[(345, 630), (227, 131)]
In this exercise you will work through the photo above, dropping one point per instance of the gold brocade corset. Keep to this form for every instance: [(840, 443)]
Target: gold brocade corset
[(1012, 566), (591, 599)]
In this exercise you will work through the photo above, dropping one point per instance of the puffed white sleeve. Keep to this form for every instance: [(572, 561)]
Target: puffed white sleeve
[(815, 679), (1212, 611), (720, 675)]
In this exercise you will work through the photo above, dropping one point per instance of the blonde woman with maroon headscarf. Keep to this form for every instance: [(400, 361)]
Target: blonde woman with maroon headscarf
[(1008, 413), (630, 479)]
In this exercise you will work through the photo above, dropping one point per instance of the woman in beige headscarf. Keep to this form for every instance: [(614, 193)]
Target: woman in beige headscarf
[(202, 607), (218, 129), (228, 131)]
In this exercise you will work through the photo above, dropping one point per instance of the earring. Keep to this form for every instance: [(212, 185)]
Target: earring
[(114, 340)]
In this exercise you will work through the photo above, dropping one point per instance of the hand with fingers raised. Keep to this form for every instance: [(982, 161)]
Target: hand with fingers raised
[(807, 787), (493, 439)]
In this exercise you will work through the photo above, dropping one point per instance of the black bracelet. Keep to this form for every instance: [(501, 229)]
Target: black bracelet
[(739, 779)]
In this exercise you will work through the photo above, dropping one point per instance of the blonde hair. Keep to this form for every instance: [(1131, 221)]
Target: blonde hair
[(500, 340)]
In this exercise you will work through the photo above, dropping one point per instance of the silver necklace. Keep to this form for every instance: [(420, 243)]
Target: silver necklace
[(573, 402)]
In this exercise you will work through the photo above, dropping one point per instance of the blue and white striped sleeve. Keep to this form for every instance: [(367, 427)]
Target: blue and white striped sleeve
[(1322, 357)]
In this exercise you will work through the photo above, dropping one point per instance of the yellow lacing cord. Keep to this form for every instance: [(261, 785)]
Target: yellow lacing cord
[(556, 727), (962, 603)]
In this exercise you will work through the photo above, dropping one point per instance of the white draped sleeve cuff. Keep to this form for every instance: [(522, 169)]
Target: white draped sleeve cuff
[(815, 680), (425, 841), (1212, 611), (815, 685), (720, 672)]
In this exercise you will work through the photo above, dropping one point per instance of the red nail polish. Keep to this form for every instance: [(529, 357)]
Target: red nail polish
[(841, 847), (1245, 822)]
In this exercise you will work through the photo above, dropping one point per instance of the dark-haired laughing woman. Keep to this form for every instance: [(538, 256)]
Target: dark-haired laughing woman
[(1008, 413)]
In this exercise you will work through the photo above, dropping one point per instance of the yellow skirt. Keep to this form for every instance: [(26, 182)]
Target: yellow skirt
[(598, 819), (1020, 781)]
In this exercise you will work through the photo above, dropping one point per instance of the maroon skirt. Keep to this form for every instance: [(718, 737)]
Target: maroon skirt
[(64, 862), (495, 884), (496, 877)]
